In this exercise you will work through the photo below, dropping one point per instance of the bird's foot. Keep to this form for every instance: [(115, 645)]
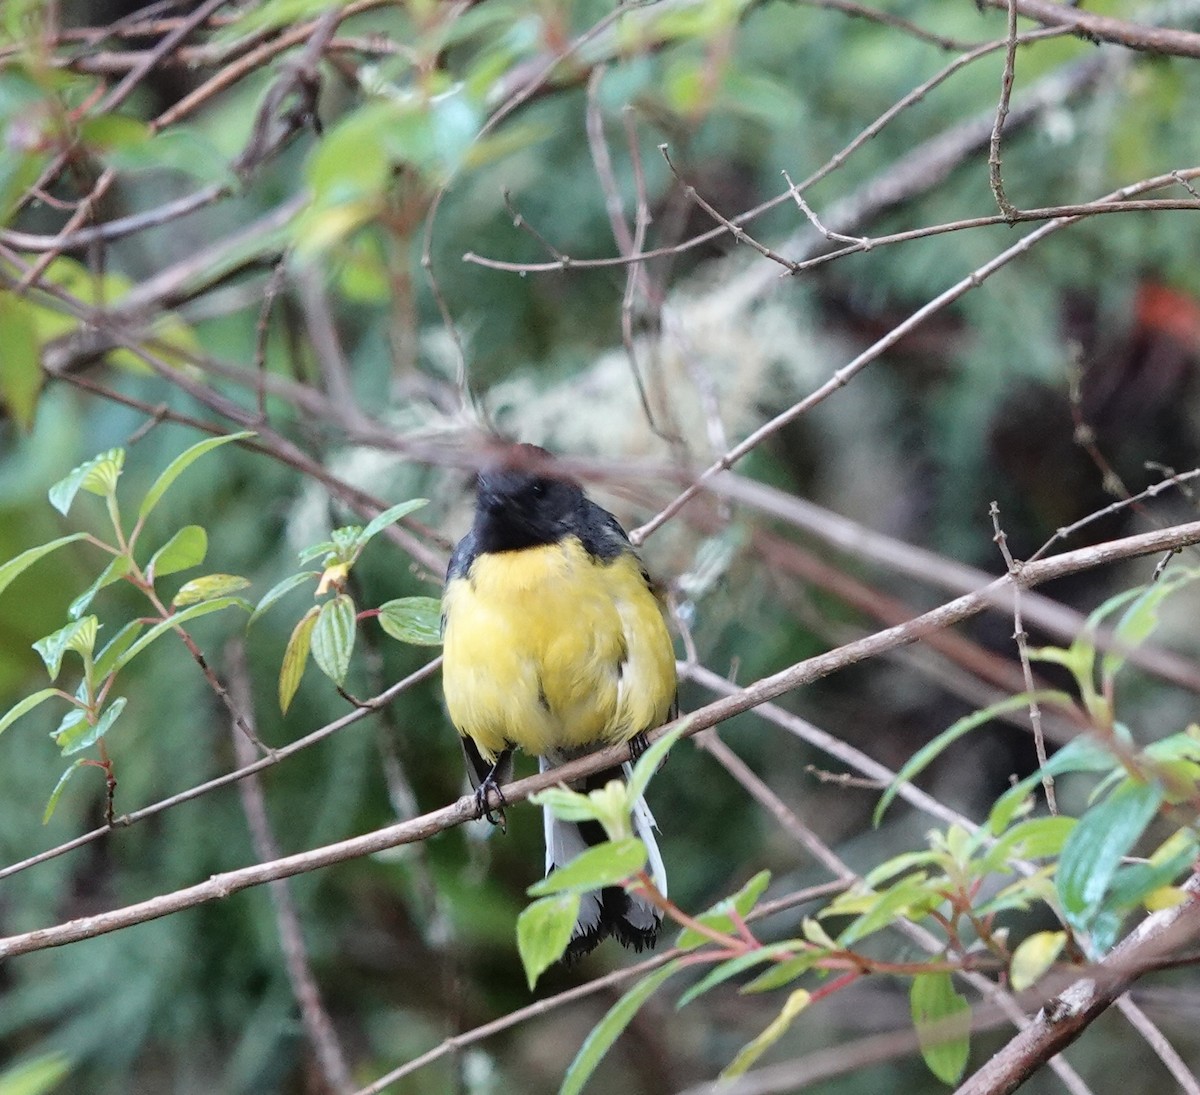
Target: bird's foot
[(483, 806)]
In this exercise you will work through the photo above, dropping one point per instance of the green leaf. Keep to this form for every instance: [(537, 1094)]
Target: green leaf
[(943, 1022), (723, 971), (718, 918), (36, 1076), (173, 621), (566, 804), (97, 476), (1035, 838), (1140, 620), (117, 568), (776, 1029), (924, 756), (21, 376), (333, 637), (390, 517), (25, 706), (785, 972), (606, 864), (208, 587), (609, 1029), (912, 897), (543, 932), (279, 589), (80, 734), (180, 464), (1093, 851), (1080, 755), (115, 647), (79, 635), (326, 547), (1034, 957), (416, 620), (16, 566), (1134, 882), (295, 657), (187, 548), (652, 759), (56, 794)]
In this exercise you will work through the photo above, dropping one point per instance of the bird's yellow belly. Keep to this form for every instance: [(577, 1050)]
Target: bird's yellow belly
[(550, 649)]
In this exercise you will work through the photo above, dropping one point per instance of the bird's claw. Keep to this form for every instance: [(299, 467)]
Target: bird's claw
[(484, 808)]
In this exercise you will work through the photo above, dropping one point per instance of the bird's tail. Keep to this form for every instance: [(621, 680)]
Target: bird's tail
[(629, 917)]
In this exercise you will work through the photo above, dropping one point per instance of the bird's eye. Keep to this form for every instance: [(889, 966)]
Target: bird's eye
[(538, 489)]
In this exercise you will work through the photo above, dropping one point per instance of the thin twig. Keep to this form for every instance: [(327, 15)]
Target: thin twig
[(1006, 85), (1022, 641), (315, 1019)]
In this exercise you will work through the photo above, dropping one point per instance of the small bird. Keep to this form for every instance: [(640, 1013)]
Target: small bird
[(555, 643)]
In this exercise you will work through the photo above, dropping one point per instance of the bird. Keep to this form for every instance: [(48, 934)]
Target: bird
[(555, 642)]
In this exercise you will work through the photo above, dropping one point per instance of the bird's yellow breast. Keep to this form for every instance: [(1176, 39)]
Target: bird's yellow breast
[(549, 648)]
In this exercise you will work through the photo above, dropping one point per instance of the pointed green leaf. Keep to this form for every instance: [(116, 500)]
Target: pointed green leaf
[(278, 590), (35, 1076), (1034, 957), (924, 756), (543, 932), (609, 1029), (180, 464), (785, 972), (416, 620), (814, 931), (21, 376), (749, 1053), (1140, 620), (652, 759), (115, 647), (117, 568), (326, 547), (25, 706), (80, 734), (1093, 851), (717, 917), (208, 587), (333, 637), (390, 517), (943, 1021), (20, 563), (1080, 755), (59, 787), (912, 898), (606, 864), (97, 476), (1133, 883), (78, 635), (173, 621), (1034, 838), (565, 804), (723, 971), (295, 657), (187, 548)]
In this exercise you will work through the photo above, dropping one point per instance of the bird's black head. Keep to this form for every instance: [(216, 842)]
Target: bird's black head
[(521, 502)]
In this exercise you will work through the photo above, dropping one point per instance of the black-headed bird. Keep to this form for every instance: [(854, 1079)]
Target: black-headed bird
[(556, 643)]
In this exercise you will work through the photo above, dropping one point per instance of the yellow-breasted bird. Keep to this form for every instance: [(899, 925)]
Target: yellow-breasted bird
[(555, 643)]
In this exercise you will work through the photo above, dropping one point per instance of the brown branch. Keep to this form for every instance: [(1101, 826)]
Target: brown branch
[(317, 1024), (228, 778), (1074, 1009), (997, 593), (1104, 28)]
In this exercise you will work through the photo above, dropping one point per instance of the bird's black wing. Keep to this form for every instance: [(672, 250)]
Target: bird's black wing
[(462, 557), (600, 532)]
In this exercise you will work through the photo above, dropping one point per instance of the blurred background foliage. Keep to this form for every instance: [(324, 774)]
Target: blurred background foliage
[(439, 123)]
